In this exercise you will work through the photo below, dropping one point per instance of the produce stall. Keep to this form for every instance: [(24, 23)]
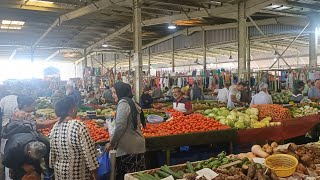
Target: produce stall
[(283, 162), (289, 128)]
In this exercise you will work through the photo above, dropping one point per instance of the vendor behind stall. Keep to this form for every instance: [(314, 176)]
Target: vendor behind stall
[(223, 94), (145, 99), (297, 94), (181, 103), (235, 95), (314, 92), (262, 97)]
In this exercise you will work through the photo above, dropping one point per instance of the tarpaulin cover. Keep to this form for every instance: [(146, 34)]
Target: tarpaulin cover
[(174, 141), (289, 128)]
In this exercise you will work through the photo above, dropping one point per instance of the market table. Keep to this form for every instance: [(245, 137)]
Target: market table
[(174, 141), (289, 128)]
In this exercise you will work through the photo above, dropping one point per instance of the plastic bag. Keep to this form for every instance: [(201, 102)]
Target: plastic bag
[(111, 124), (104, 166)]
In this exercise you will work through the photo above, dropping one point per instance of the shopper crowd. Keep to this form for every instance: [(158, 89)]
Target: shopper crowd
[(69, 153)]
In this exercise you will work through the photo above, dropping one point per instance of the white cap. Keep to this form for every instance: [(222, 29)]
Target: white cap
[(263, 86)]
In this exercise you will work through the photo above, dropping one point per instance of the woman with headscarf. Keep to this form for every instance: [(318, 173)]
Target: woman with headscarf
[(127, 138)]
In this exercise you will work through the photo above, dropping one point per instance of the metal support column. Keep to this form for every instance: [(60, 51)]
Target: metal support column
[(115, 65), (102, 63), (149, 62), (84, 66), (204, 39), (242, 40), (313, 44), (249, 59), (173, 51), (32, 59), (91, 73), (129, 76), (137, 31)]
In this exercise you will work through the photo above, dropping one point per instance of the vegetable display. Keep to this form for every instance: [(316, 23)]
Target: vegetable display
[(240, 118), (282, 97), (241, 167), (97, 133), (181, 124), (303, 111), (275, 111)]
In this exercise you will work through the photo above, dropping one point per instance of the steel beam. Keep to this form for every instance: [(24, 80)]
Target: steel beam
[(261, 32), (14, 52), (137, 29), (189, 31), (52, 55), (229, 11), (290, 45), (75, 14)]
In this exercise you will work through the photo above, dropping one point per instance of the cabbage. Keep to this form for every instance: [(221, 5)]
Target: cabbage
[(232, 117), (215, 109), (254, 117), (242, 118), (234, 113), (229, 122), (212, 115), (223, 113), (223, 121), (239, 125), (208, 111), (252, 111), (220, 117)]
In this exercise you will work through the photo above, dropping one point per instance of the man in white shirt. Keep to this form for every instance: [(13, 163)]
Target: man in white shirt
[(223, 94), (235, 96), (262, 97)]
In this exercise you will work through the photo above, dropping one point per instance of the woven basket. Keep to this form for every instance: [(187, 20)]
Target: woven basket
[(282, 164)]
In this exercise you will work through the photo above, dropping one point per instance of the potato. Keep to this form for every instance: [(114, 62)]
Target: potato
[(269, 150), (274, 145)]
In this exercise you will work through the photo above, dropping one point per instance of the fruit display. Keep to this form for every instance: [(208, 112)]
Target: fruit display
[(282, 97), (303, 111), (240, 118), (180, 124), (275, 111)]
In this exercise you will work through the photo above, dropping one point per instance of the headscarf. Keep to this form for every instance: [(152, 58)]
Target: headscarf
[(123, 91)]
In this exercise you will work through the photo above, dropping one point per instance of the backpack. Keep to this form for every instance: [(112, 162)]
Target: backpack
[(15, 127)]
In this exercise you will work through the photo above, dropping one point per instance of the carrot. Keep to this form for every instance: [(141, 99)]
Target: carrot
[(275, 111)]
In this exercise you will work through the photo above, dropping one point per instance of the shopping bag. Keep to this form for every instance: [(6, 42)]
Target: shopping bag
[(104, 166)]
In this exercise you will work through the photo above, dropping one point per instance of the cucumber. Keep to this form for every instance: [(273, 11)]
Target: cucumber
[(162, 174), (166, 169), (157, 176), (190, 167)]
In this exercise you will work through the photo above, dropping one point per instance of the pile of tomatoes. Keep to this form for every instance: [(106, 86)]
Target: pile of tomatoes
[(181, 124), (97, 133)]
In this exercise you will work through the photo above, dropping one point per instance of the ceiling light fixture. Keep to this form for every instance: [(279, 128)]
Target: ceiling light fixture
[(9, 22), (105, 45), (39, 1), (230, 57), (172, 26)]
